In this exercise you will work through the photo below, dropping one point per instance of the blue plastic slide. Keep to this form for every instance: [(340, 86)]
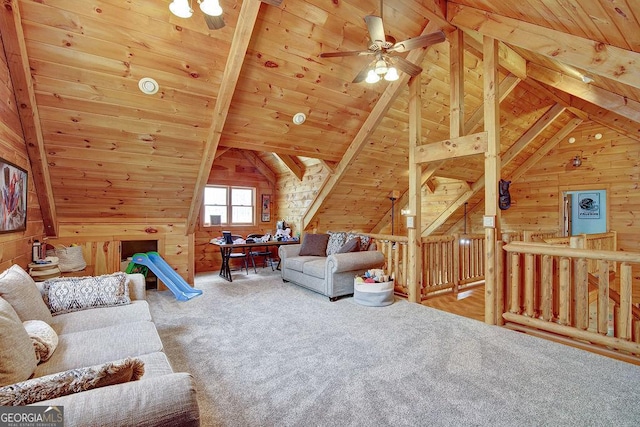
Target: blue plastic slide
[(154, 262)]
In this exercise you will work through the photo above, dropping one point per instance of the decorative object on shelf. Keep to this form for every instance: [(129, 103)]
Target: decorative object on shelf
[(504, 201), (13, 197), (266, 208)]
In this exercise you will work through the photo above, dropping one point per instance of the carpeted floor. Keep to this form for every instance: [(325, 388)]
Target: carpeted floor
[(268, 353)]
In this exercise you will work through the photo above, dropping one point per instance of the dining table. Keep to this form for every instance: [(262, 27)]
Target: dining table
[(227, 248)]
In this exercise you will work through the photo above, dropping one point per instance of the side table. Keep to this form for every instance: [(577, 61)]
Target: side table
[(373, 294), (42, 272)]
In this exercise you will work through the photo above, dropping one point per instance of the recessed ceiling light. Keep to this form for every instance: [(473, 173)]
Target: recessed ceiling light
[(148, 86), (299, 118), (572, 140), (598, 135)]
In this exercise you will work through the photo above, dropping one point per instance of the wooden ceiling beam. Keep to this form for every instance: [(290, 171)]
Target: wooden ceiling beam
[(18, 62), (293, 164), (621, 105), (241, 38), (262, 167), (508, 59), (368, 128), (509, 155), (593, 56)]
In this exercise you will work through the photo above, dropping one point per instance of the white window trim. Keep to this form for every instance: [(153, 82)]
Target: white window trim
[(229, 206)]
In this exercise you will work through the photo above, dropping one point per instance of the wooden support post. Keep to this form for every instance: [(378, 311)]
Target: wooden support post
[(491, 173), (414, 259), (626, 281), (546, 282)]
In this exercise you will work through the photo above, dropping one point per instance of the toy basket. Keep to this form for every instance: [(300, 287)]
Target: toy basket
[(70, 258)]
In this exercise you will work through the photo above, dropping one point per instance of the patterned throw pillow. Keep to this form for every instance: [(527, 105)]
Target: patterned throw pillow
[(336, 240), (71, 381), (67, 294), (365, 240)]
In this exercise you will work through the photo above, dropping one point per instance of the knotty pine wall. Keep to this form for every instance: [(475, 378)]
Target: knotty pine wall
[(611, 163), (293, 196), (233, 168), (101, 244), (15, 248)]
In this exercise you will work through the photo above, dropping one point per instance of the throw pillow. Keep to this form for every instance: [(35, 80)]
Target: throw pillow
[(314, 245), (336, 240), (71, 381), (69, 294), (365, 240), (352, 245), (19, 289), (17, 358), (44, 338)]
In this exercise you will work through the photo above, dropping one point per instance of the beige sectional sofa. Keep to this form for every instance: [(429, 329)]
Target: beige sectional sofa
[(92, 337), (326, 270)]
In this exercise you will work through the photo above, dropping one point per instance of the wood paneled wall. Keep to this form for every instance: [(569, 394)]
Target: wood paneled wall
[(611, 163), (15, 248), (294, 196), (233, 168), (101, 244)]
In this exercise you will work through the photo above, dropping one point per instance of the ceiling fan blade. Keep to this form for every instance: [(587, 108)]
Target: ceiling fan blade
[(418, 42), (406, 66), (376, 29), (362, 74), (214, 22), (349, 53)]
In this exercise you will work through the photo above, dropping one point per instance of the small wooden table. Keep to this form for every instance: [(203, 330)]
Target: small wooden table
[(227, 248)]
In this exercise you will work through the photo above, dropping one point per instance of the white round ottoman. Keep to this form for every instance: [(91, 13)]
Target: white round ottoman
[(373, 294)]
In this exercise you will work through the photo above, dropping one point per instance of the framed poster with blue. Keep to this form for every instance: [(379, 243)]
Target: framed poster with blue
[(13, 197), (589, 205), (266, 208)]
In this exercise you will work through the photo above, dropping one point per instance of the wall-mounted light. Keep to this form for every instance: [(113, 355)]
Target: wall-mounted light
[(577, 160), (586, 79)]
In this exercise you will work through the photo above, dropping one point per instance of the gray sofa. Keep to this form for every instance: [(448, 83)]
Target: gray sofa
[(161, 397), (330, 275)]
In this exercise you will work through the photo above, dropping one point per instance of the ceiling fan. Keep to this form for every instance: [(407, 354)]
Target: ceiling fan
[(383, 48)]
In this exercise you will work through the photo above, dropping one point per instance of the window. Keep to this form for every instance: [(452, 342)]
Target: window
[(226, 205)]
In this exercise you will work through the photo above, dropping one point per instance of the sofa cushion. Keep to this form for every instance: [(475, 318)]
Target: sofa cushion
[(352, 245), (336, 240), (71, 381), (297, 263), (67, 294), (19, 289), (315, 268), (43, 337), (314, 244), (17, 357), (87, 348), (101, 317)]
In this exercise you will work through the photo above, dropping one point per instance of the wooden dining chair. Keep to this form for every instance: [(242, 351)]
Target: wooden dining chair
[(240, 255), (265, 253)]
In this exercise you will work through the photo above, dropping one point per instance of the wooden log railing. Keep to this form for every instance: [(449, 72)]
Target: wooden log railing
[(548, 289), (395, 251), (598, 241), (529, 235)]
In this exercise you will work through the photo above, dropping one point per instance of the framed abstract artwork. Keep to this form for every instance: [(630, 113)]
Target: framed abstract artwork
[(266, 207), (13, 197)]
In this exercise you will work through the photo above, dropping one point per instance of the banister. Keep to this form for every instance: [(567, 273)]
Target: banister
[(544, 249)]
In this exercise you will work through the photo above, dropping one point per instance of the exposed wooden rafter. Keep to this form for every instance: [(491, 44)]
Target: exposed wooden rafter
[(262, 167), (16, 53), (241, 38), (529, 136), (593, 56), (373, 120), (295, 166)]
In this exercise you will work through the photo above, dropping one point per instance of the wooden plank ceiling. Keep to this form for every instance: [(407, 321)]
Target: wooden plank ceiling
[(108, 152)]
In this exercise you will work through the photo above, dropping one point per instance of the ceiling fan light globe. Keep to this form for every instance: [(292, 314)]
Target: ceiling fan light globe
[(372, 77), (392, 75), (211, 7), (181, 8), (381, 67)]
